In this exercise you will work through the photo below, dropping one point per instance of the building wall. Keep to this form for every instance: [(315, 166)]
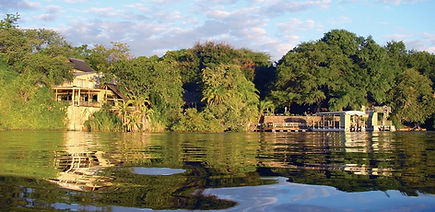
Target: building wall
[(89, 80), (286, 119), (78, 115)]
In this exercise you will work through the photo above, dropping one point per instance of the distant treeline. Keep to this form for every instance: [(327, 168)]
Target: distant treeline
[(213, 87)]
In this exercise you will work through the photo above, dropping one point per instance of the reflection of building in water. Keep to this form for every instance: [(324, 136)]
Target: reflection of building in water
[(367, 170), (369, 144), (356, 153), (79, 166)]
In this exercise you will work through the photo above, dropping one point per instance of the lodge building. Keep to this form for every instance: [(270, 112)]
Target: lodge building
[(85, 94)]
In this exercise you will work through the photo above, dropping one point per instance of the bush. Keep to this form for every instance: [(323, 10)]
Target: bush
[(104, 121), (24, 105), (194, 121)]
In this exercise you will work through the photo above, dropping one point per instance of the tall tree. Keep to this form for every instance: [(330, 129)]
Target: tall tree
[(424, 63), (379, 72), (413, 98), (154, 79), (340, 71), (231, 98)]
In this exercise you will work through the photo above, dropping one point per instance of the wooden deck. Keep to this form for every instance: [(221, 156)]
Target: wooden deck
[(283, 127)]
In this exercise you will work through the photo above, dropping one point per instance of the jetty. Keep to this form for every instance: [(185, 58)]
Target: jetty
[(369, 119)]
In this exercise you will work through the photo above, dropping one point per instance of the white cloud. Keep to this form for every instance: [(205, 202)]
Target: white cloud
[(283, 6), (415, 44), (397, 36), (399, 2), (295, 25), (152, 27), (106, 12), (430, 37), (415, 41), (396, 2), (51, 13), (75, 1), (339, 21), (431, 49), (13, 5)]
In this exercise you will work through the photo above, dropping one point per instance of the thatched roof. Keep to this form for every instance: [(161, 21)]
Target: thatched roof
[(81, 65)]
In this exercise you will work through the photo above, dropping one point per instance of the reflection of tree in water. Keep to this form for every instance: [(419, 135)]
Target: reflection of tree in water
[(224, 160), (352, 162)]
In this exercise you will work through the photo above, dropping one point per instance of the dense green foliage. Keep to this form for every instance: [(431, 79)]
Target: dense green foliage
[(26, 106), (218, 82), (343, 71), (155, 80), (413, 99), (231, 101), (31, 62), (104, 121)]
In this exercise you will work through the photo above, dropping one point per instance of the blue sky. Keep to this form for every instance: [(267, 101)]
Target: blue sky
[(151, 27)]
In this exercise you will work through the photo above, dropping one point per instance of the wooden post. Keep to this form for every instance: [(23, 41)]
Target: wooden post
[(78, 100), (73, 94)]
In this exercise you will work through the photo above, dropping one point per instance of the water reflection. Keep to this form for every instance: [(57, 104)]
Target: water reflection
[(284, 196), (79, 166), (95, 171), (355, 162), (156, 171)]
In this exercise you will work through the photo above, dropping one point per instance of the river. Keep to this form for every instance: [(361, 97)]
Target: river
[(80, 171)]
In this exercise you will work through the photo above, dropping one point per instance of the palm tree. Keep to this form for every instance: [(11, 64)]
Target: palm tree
[(141, 114), (266, 106), (215, 95), (144, 110), (122, 112)]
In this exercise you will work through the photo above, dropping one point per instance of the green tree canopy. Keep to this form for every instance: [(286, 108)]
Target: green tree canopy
[(154, 79), (413, 98), (340, 71)]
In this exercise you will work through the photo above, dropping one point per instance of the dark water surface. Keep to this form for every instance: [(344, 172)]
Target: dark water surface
[(80, 171)]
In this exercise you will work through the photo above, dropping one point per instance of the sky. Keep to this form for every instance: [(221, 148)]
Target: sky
[(152, 27)]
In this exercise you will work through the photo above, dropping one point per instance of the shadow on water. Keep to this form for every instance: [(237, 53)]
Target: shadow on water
[(109, 171)]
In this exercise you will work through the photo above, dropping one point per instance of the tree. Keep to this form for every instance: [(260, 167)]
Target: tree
[(48, 42), (154, 79), (424, 63), (341, 71), (265, 107), (379, 72), (122, 112), (231, 98), (309, 73), (13, 43), (413, 99), (10, 21)]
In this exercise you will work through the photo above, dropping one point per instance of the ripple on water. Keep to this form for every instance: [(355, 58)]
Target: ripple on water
[(156, 171)]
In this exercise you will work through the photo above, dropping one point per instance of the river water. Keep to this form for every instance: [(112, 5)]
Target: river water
[(81, 171)]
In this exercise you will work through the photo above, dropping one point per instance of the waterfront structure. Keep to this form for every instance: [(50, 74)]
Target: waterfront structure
[(378, 119), (85, 94), (370, 119), (348, 121)]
